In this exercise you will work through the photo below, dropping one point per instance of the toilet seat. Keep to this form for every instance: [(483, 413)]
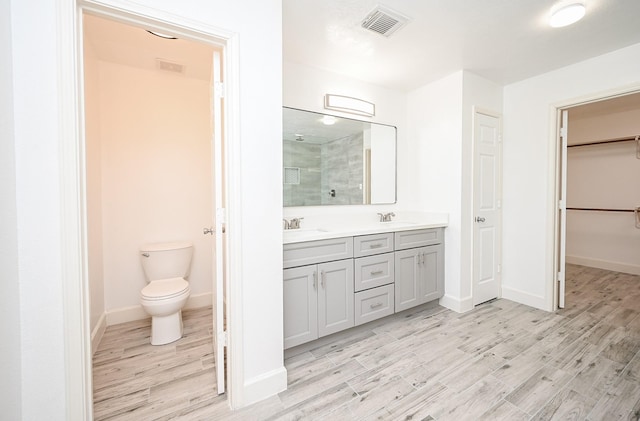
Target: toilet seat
[(164, 289)]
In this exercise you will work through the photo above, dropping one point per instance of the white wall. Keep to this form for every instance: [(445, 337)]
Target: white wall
[(38, 206), (529, 143), (435, 141), (603, 176), (304, 87), (10, 349), (37, 127), (155, 138)]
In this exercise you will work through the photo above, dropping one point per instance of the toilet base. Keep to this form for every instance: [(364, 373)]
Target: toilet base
[(166, 329)]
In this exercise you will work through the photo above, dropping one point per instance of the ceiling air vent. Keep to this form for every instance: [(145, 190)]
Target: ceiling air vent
[(384, 21), (169, 66)]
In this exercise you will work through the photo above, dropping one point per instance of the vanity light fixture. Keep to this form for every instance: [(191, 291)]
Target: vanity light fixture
[(566, 12), (349, 105)]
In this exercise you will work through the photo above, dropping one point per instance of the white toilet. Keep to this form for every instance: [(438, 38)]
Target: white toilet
[(166, 267)]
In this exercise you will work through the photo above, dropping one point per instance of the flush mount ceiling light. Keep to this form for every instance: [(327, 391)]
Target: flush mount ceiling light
[(161, 35), (349, 105), (565, 13)]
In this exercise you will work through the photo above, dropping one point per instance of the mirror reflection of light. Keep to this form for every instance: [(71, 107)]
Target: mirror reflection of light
[(328, 120)]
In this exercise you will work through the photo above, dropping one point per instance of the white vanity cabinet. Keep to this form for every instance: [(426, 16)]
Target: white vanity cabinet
[(318, 297), (419, 267)]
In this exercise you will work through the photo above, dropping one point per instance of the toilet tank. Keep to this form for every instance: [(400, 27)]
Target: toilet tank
[(166, 260)]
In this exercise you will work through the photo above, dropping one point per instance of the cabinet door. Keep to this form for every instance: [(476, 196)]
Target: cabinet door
[(300, 305), (335, 296), (407, 285), (431, 263)]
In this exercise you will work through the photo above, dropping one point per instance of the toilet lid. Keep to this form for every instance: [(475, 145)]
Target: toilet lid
[(164, 288)]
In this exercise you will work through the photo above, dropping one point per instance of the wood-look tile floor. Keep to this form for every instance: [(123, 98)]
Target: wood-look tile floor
[(501, 361)]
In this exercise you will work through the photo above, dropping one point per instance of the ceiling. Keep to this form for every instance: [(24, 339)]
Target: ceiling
[(502, 40)]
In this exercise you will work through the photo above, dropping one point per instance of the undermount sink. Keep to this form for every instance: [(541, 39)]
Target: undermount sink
[(305, 231), (397, 224)]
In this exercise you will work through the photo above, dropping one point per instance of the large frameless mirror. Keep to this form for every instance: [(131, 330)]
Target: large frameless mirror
[(331, 160)]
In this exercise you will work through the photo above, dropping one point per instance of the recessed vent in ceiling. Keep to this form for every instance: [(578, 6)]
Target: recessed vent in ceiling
[(384, 21), (169, 66)]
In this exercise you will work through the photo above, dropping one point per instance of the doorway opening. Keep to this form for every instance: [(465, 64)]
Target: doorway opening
[(154, 172), (598, 165)]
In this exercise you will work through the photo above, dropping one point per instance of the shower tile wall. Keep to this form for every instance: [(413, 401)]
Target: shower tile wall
[(342, 171), (305, 156), (337, 165)]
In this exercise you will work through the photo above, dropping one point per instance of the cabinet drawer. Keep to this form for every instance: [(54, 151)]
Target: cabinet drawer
[(309, 252), (367, 245), (374, 271), (373, 304), (417, 238)]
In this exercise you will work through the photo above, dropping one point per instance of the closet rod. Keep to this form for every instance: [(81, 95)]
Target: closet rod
[(601, 142), (603, 209), (635, 211)]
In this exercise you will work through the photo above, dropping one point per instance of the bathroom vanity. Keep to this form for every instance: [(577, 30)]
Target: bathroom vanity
[(334, 281)]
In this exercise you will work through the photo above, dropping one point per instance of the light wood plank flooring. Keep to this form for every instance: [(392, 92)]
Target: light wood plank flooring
[(501, 361)]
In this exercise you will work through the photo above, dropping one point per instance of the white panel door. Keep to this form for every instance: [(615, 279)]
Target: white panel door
[(219, 337), (487, 204), (562, 208)]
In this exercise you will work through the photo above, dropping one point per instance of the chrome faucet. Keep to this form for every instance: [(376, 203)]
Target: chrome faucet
[(386, 217), (293, 224)]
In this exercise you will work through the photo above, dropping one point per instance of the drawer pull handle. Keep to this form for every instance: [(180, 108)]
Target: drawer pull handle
[(375, 246), (376, 272), (315, 280), (323, 278), (376, 305)]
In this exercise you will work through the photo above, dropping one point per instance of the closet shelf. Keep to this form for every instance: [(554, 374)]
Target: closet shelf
[(635, 211), (607, 141)]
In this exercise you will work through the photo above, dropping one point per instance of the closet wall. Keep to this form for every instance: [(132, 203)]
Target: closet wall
[(605, 176)]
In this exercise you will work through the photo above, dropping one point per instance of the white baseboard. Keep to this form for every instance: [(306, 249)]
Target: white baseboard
[(98, 331), (264, 386), (604, 264), (456, 304), (132, 313), (524, 297)]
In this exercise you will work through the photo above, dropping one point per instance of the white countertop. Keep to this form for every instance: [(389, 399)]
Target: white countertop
[(336, 229)]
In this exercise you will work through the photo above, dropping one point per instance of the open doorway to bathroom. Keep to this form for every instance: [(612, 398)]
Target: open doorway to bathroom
[(154, 169)]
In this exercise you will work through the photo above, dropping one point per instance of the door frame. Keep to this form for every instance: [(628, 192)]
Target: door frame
[(75, 285), (556, 153), (494, 114)]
